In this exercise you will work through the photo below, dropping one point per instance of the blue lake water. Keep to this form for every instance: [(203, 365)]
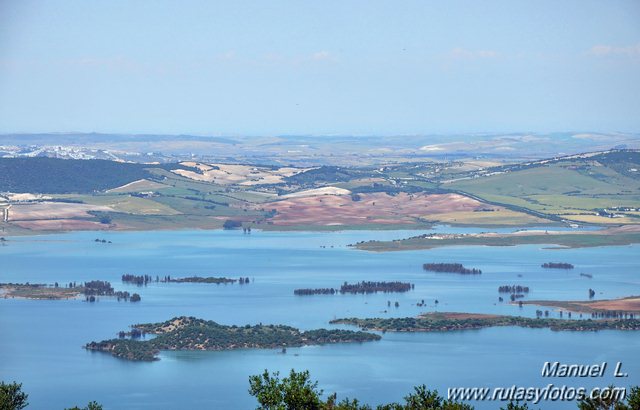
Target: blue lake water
[(41, 341)]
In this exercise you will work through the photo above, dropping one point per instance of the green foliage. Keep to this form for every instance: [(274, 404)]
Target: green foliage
[(554, 188), (298, 392), (612, 402), (423, 399), (441, 322), (12, 397), (91, 406), (515, 406), (104, 218), (324, 174), (232, 224), (295, 392), (61, 176), (345, 404), (583, 240), (388, 189), (633, 398)]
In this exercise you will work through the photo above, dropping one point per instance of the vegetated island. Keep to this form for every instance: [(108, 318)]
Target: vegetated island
[(598, 308), (314, 291), (190, 333), (571, 239), (446, 322), (141, 280), (91, 290), (557, 265), (450, 268), (364, 287)]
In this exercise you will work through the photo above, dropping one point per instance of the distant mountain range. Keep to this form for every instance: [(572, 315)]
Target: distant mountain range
[(308, 150)]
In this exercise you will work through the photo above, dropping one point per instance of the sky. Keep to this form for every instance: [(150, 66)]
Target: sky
[(319, 67)]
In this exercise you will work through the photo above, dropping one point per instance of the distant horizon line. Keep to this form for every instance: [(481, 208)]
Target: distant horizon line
[(283, 135)]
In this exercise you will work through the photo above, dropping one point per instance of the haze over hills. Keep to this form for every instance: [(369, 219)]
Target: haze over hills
[(310, 150)]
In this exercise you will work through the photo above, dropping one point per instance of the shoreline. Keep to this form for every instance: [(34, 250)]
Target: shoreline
[(21, 232), (304, 228), (457, 321), (616, 236), (628, 304)]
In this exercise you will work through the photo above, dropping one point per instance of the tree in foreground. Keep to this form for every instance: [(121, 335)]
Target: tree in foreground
[(515, 406), (613, 403), (298, 392), (91, 406), (12, 397)]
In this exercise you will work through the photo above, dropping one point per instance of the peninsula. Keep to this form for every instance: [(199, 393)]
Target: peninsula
[(629, 305), (446, 322), (624, 235)]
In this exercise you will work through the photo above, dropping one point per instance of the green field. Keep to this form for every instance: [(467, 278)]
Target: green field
[(562, 188)]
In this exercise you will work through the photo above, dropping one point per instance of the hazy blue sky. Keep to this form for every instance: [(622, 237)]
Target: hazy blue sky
[(319, 67)]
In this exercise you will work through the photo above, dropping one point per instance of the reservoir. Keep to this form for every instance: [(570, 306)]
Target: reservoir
[(41, 341)]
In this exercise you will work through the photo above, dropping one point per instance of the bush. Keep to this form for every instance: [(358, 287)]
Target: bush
[(232, 224)]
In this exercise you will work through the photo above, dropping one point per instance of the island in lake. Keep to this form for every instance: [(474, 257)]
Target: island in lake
[(557, 265), (141, 280), (91, 290), (190, 333), (364, 287), (210, 279), (446, 322), (450, 268)]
